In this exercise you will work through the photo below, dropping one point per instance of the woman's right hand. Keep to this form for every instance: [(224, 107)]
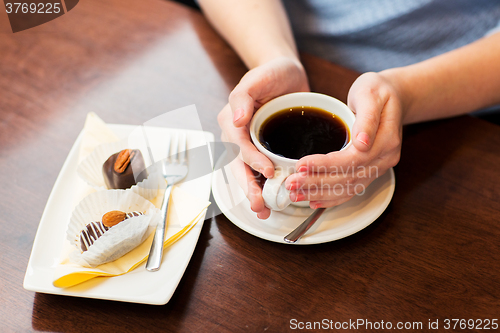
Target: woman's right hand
[(274, 78)]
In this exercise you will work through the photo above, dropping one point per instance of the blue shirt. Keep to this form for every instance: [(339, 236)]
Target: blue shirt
[(372, 35)]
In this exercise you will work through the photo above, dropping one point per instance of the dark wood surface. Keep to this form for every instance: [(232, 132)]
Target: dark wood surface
[(433, 254)]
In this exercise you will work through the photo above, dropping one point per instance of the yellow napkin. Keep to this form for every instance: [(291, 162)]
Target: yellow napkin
[(185, 212)]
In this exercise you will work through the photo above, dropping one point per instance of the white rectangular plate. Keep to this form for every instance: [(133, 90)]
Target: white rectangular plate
[(138, 286)]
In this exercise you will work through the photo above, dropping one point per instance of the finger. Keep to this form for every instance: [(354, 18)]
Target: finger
[(335, 174), (321, 187), (367, 103), (358, 189), (240, 136), (303, 181), (264, 214), (251, 186), (243, 98), (254, 195), (242, 105), (326, 193), (338, 192), (335, 162), (256, 160)]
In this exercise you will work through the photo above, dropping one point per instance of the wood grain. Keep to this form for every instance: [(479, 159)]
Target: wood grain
[(433, 254)]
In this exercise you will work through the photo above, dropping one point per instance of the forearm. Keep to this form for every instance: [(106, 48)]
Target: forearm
[(457, 82), (258, 30)]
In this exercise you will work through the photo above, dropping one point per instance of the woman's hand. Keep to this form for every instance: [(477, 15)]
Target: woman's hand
[(454, 83), (331, 179), (272, 79)]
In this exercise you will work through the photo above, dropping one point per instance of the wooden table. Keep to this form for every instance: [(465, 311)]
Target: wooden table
[(434, 254)]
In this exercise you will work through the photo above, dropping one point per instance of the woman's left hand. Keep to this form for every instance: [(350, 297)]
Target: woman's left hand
[(332, 179)]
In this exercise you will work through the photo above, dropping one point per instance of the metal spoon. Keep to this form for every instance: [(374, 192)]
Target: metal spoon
[(304, 226)]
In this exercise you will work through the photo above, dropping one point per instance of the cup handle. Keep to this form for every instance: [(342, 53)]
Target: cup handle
[(276, 196)]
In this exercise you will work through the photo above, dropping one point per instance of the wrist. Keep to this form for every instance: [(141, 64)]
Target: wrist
[(398, 80), (287, 54)]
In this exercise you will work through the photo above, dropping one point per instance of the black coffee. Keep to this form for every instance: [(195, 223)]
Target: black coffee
[(303, 130)]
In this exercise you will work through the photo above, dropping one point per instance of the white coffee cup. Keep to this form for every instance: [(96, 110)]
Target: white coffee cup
[(275, 195)]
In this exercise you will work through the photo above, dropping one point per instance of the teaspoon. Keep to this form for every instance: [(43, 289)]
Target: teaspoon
[(304, 226)]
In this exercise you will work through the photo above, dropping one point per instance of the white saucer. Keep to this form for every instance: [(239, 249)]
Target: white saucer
[(335, 223)]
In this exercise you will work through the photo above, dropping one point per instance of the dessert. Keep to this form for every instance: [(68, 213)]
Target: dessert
[(96, 229), (124, 169)]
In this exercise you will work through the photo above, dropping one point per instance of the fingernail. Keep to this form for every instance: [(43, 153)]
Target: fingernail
[(302, 169), (363, 138), (264, 173), (315, 205), (292, 186), (261, 216), (294, 196), (238, 114)]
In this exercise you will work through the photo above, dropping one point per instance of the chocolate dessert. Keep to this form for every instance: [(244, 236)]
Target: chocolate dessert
[(124, 169), (94, 230)]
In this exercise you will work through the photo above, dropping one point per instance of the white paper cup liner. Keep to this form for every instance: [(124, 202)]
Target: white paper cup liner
[(119, 239), (90, 170)]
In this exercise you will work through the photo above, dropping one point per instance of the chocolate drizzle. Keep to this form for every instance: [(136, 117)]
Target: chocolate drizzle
[(133, 214), (94, 230), (89, 235)]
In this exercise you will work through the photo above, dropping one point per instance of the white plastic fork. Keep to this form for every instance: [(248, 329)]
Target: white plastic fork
[(174, 169)]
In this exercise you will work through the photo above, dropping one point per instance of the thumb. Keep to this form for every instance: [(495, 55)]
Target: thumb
[(242, 105), (241, 101), (367, 108), (243, 98)]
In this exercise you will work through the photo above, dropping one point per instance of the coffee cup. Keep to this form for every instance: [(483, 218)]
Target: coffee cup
[(295, 125)]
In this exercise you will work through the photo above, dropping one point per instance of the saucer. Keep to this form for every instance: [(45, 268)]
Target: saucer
[(335, 223)]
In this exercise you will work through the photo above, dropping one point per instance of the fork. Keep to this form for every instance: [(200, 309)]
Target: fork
[(174, 169)]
